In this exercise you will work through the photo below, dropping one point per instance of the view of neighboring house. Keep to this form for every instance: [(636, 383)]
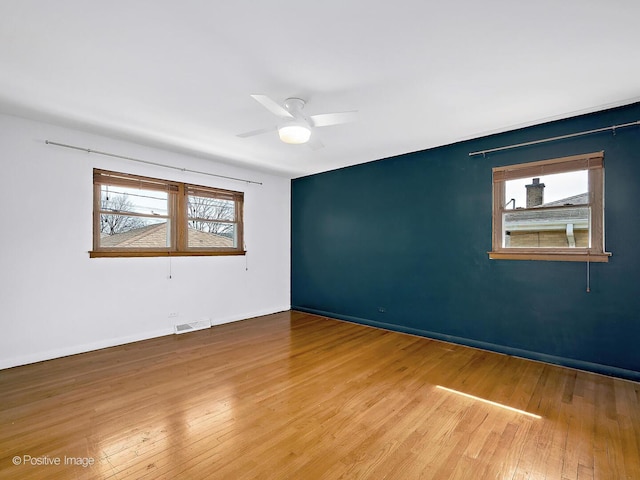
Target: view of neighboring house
[(561, 223), (155, 236)]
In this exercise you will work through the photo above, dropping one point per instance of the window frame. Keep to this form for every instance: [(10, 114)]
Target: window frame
[(178, 216), (594, 164)]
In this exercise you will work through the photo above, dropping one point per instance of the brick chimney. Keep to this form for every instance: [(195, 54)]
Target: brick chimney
[(535, 193)]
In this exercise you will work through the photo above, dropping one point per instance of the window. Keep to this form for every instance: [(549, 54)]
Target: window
[(143, 217), (565, 222)]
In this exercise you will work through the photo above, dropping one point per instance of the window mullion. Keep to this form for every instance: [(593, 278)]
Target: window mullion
[(180, 219)]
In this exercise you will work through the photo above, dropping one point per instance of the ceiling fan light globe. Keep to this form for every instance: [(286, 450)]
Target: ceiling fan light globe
[(294, 134)]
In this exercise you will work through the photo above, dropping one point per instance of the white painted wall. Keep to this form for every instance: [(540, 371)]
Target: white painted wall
[(56, 301)]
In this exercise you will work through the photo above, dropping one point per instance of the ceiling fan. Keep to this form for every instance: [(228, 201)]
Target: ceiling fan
[(294, 126)]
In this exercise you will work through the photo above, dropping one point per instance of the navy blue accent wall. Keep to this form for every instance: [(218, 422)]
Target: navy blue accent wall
[(402, 243)]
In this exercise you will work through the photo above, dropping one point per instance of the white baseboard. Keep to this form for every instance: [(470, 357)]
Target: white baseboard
[(247, 315), (75, 349), (112, 342)]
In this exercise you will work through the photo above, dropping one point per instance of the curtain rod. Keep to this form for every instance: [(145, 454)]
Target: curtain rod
[(88, 150), (561, 137)]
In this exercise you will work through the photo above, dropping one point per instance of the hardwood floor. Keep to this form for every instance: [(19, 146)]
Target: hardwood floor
[(298, 396)]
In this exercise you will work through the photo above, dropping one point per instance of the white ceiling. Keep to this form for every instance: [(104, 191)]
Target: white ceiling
[(178, 74)]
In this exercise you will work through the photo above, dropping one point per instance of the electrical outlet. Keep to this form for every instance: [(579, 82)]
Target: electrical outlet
[(173, 314)]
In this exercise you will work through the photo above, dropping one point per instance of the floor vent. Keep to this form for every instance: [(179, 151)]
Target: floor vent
[(192, 326)]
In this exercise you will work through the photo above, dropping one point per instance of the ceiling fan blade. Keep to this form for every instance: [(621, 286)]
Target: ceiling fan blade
[(256, 132), (326, 119), (272, 106)]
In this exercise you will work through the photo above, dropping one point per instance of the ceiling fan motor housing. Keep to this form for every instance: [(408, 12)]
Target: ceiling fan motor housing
[(295, 106)]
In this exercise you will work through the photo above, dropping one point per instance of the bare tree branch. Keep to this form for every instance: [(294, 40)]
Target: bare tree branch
[(118, 221), (204, 211)]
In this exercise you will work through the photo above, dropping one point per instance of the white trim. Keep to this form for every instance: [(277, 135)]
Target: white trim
[(114, 342), (87, 347)]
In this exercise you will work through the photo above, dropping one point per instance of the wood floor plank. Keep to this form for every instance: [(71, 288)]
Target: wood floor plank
[(294, 395)]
